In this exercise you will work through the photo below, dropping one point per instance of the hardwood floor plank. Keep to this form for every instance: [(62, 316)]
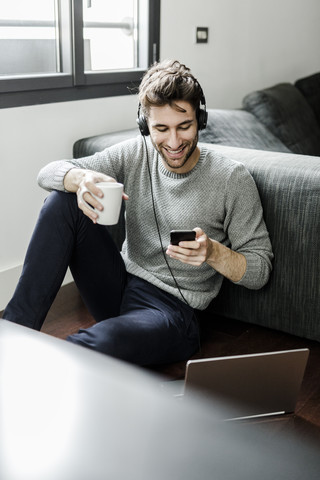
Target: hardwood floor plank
[(68, 314)]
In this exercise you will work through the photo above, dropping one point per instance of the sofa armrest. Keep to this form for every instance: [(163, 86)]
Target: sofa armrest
[(310, 89), (90, 145), (287, 114)]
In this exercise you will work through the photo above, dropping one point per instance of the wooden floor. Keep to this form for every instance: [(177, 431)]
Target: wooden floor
[(219, 337)]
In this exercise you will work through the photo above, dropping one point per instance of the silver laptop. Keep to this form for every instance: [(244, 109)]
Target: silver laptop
[(246, 386)]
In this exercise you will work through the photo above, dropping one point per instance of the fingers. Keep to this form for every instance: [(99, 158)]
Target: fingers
[(91, 179), (88, 193), (87, 203), (196, 261), (192, 252), (199, 232), (192, 255)]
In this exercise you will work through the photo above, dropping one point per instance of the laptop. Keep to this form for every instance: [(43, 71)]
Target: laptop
[(246, 386)]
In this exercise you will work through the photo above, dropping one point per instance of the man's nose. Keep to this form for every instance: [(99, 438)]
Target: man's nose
[(174, 140)]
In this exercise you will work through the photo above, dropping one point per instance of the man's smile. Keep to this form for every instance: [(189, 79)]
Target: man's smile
[(175, 153)]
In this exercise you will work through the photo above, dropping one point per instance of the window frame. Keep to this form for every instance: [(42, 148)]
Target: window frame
[(76, 84)]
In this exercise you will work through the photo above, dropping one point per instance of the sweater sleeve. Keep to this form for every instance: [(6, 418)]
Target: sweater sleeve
[(110, 162), (246, 228), (51, 176)]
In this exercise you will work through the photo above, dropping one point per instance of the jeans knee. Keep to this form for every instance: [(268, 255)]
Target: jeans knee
[(57, 200), (60, 207)]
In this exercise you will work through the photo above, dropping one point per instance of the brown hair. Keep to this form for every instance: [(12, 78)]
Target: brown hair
[(168, 81)]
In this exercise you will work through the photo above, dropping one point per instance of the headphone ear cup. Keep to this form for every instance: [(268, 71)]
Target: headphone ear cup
[(202, 114), (142, 124), (202, 119)]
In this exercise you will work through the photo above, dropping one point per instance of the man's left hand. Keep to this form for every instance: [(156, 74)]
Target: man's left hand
[(229, 263), (192, 252)]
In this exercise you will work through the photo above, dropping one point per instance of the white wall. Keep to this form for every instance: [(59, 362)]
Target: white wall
[(252, 44), (30, 137)]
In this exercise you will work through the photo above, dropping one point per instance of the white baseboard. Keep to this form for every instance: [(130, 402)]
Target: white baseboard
[(9, 279)]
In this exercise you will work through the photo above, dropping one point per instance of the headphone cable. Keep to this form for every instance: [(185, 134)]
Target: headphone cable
[(158, 228), (162, 248)]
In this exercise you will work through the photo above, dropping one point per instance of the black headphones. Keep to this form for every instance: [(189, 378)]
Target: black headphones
[(202, 116)]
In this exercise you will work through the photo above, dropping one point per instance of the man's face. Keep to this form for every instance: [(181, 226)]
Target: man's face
[(174, 134)]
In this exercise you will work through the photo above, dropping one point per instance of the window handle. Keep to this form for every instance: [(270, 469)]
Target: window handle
[(154, 52)]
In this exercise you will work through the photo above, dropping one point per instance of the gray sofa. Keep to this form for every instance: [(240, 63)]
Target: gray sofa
[(276, 135)]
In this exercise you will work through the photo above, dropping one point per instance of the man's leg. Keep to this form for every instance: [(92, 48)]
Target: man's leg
[(64, 236), (153, 328)]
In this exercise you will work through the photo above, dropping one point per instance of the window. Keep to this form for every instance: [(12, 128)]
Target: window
[(121, 29), (28, 38), (59, 50)]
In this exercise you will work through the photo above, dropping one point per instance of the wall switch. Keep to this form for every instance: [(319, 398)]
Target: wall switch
[(202, 35)]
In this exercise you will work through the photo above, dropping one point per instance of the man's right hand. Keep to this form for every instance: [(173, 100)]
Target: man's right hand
[(83, 183)]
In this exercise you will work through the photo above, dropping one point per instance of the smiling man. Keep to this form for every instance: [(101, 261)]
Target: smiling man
[(144, 298), (175, 139)]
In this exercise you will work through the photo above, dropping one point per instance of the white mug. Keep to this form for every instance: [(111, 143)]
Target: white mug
[(111, 202)]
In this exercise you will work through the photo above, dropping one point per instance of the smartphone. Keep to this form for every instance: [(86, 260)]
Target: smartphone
[(177, 236)]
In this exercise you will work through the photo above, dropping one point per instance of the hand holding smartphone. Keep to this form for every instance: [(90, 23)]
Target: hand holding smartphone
[(177, 236)]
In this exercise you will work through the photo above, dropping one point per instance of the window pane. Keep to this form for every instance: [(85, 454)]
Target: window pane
[(110, 34), (28, 37), (42, 44)]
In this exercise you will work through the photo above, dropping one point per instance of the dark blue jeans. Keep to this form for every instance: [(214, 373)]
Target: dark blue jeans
[(136, 321)]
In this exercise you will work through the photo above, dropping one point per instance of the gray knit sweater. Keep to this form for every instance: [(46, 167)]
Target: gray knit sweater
[(218, 195)]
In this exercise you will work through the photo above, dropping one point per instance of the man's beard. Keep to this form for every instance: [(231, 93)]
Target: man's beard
[(171, 162)]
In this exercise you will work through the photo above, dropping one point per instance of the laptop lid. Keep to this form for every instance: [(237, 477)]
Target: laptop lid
[(250, 385)]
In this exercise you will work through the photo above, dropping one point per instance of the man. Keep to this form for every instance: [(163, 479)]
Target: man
[(144, 299)]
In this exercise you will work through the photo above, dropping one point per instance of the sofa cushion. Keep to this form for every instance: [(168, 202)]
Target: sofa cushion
[(310, 89), (284, 110), (239, 128)]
